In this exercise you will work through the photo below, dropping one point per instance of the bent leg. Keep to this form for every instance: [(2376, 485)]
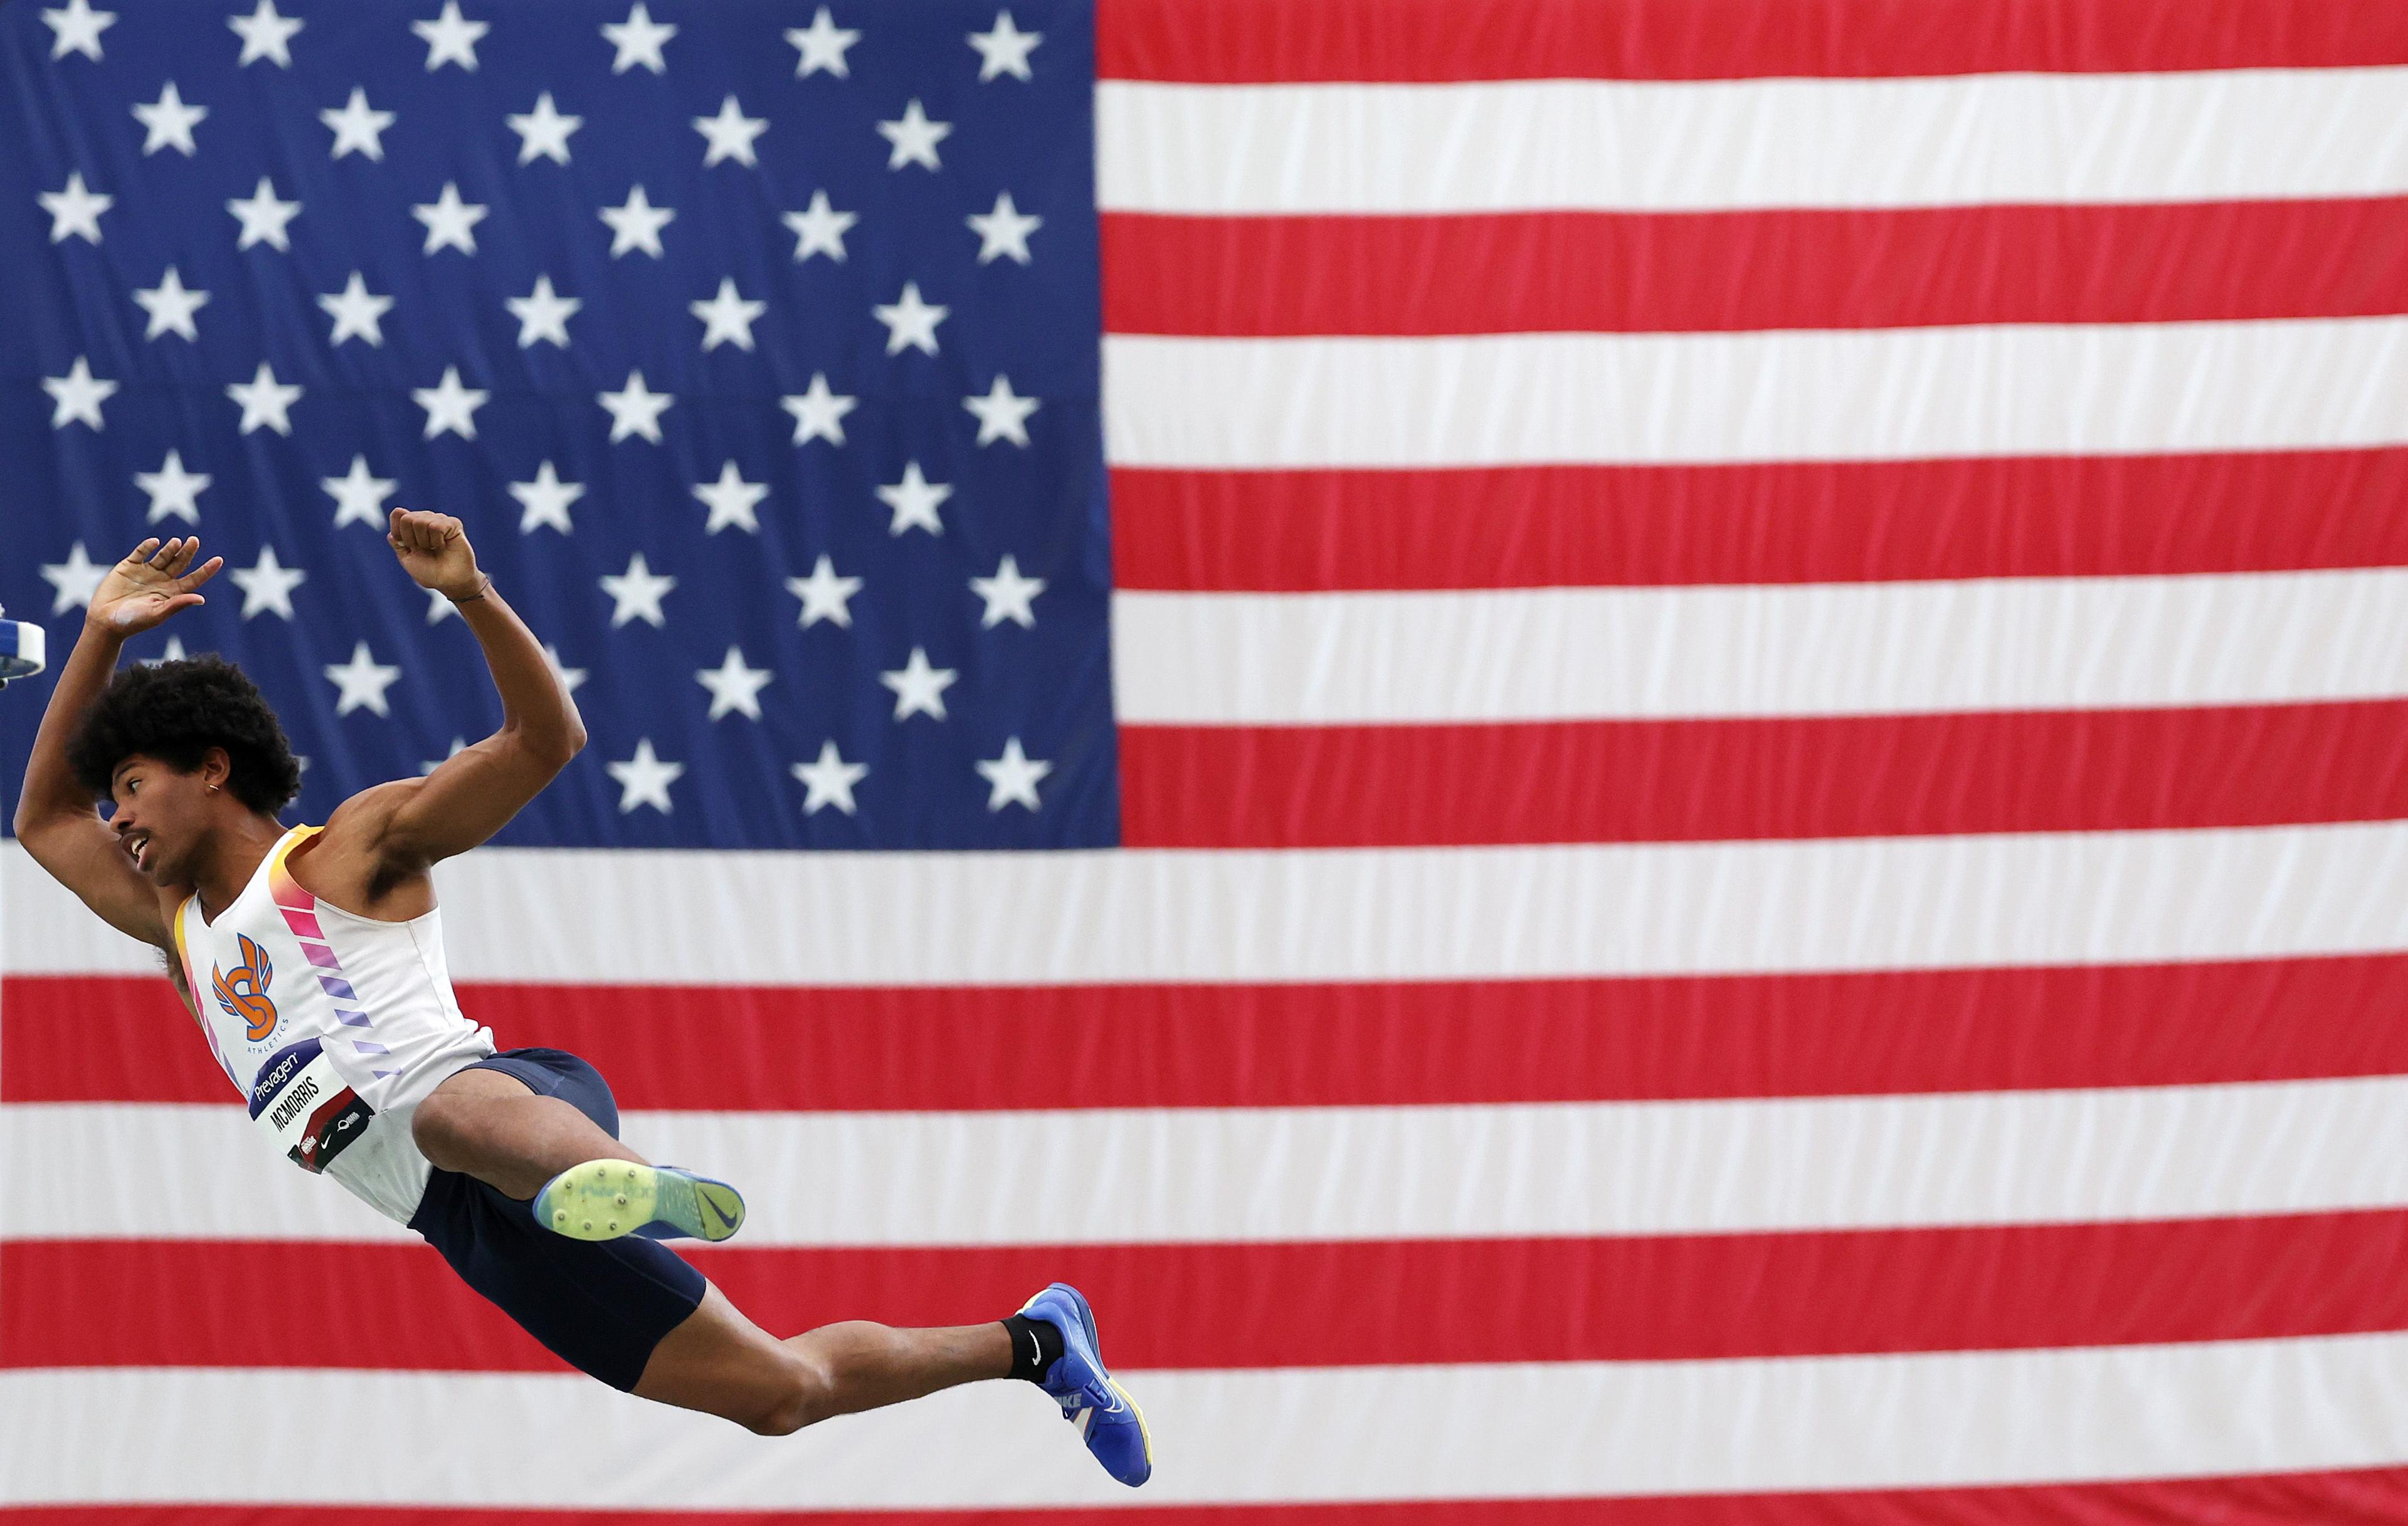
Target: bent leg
[(492, 1126), (722, 1363)]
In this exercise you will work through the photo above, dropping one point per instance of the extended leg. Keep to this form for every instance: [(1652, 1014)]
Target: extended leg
[(492, 1126), (722, 1363)]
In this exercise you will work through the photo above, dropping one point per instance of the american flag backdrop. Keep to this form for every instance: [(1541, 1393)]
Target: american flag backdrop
[(1633, 760)]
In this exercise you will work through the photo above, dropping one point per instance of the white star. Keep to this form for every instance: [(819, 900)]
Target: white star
[(450, 406), (77, 579), (914, 501), (1008, 595), (543, 314), (171, 306), (173, 489), (825, 595), (1002, 414), (919, 689), (265, 34), (638, 224), (358, 129), (819, 229), (545, 500), (638, 40), (428, 765), (450, 38), (450, 222), (1005, 48), (1013, 777), (174, 652), (644, 779), (635, 409), (732, 500), (914, 137), (820, 46), (636, 593), (543, 133), (439, 608), (358, 495), (569, 676), (267, 584), (734, 686), (728, 317), (76, 210), (910, 321), (362, 681), (357, 314), (78, 395), (730, 133), (170, 123), (830, 781), (819, 413), (265, 401), (78, 28), (1004, 231), (264, 217)]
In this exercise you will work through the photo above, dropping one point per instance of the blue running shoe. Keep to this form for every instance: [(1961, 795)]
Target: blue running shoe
[(1105, 1415), (602, 1200)]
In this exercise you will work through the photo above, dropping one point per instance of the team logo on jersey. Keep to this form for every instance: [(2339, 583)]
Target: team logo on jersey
[(243, 990)]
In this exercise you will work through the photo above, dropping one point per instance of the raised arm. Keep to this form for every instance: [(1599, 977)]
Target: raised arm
[(471, 796), (56, 820)]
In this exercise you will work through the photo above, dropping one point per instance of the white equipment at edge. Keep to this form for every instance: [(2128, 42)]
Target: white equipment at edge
[(20, 650)]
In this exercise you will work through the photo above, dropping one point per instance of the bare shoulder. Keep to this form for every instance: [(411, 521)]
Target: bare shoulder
[(350, 865), (363, 819)]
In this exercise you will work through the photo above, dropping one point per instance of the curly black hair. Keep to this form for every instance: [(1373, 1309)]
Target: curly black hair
[(176, 712)]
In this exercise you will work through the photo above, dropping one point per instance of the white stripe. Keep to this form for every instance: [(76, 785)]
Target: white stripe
[(1564, 1429), (1195, 1175), (1388, 914), (1818, 395), (1834, 648), (1643, 146)]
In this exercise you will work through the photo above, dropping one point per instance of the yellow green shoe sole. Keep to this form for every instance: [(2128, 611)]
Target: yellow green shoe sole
[(603, 1200)]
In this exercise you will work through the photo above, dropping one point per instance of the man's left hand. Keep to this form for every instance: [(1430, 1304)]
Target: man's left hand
[(435, 550)]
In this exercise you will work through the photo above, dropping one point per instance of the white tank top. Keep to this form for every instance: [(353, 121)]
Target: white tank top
[(337, 1026)]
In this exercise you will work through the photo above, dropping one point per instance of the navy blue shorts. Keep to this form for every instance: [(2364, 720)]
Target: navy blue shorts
[(600, 1305)]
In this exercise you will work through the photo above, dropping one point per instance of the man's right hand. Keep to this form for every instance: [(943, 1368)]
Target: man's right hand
[(151, 583)]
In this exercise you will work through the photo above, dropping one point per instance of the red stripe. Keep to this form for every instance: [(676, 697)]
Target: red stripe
[(1713, 781), (1760, 1035), (2334, 1498), (97, 1302), (1681, 272), (1783, 522), (1269, 41)]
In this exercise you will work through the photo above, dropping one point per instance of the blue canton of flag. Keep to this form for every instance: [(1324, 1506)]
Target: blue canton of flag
[(757, 344)]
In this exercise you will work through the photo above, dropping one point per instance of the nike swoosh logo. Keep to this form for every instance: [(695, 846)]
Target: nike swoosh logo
[(1036, 1351), (721, 1216)]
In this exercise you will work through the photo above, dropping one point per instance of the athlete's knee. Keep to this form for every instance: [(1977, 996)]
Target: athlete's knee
[(441, 1130), (464, 1121), (452, 1126), (805, 1395)]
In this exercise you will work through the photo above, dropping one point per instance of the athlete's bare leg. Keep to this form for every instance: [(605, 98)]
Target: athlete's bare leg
[(492, 1126), (722, 1363)]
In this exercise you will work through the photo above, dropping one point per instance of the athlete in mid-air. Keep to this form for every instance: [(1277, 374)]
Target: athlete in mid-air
[(312, 959)]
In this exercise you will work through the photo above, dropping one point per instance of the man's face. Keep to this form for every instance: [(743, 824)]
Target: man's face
[(161, 814)]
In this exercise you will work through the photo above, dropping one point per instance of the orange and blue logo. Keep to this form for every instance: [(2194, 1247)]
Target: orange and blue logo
[(243, 990)]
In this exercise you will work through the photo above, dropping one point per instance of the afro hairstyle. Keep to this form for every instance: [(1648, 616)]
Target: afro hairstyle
[(176, 712)]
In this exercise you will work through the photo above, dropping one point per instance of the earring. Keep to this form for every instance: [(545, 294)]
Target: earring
[(213, 789)]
